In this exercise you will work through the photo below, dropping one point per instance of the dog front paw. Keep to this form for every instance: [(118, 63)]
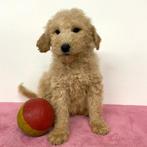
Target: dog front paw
[(99, 128), (58, 136)]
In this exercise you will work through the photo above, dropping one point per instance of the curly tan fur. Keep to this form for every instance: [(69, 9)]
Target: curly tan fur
[(73, 84)]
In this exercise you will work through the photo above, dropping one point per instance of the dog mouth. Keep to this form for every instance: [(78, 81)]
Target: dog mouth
[(68, 57), (66, 54)]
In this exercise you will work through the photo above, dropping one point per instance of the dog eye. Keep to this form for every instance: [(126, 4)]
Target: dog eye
[(57, 31), (76, 30)]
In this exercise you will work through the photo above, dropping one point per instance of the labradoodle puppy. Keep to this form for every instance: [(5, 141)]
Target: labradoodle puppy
[(73, 84)]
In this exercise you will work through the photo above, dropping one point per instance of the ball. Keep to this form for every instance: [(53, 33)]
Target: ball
[(35, 117)]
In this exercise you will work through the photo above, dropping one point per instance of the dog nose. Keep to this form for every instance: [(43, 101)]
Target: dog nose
[(65, 47)]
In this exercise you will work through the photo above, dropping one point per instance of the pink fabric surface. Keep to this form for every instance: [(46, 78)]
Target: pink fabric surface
[(128, 129)]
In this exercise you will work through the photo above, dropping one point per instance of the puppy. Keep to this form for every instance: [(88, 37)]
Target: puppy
[(73, 84)]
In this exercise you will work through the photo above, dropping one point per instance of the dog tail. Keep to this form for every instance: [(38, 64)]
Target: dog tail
[(26, 92)]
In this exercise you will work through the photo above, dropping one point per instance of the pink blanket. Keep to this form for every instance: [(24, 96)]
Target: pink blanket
[(128, 129)]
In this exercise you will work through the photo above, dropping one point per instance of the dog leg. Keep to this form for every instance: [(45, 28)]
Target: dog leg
[(60, 132), (97, 123)]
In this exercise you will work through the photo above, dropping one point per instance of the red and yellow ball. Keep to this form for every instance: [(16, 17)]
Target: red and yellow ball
[(35, 117)]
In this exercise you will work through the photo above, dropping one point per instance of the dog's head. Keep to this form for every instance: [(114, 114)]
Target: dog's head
[(69, 33)]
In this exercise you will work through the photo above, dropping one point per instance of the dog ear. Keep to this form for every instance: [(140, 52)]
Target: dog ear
[(96, 37), (43, 43)]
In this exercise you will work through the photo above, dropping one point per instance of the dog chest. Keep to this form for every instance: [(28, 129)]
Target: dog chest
[(77, 86)]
